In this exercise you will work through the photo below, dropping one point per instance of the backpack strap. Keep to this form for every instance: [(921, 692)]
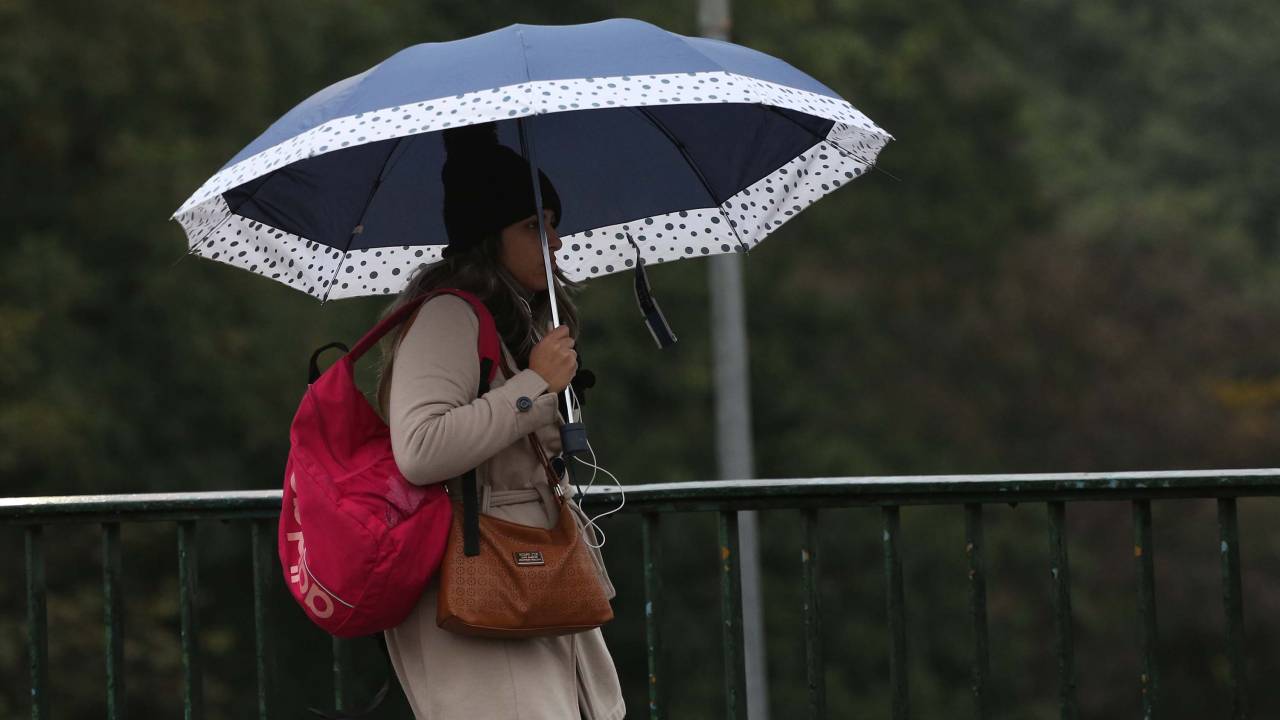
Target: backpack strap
[(489, 350), (488, 346)]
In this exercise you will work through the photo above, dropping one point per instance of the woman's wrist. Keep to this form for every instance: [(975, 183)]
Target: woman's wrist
[(529, 383)]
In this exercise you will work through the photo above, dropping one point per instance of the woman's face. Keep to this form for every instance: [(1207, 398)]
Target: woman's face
[(521, 251)]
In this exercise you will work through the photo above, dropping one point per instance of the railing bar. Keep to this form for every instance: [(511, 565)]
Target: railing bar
[(113, 619), (815, 669), (896, 607), (341, 673), (975, 550), (1060, 574), (731, 613), (263, 563), (683, 496), (188, 587), (1144, 556), (1232, 600), (37, 623), (651, 536)]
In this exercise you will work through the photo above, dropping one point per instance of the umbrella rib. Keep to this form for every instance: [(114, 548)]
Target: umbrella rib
[(684, 152), (387, 164), (847, 153), (191, 250), (713, 61)]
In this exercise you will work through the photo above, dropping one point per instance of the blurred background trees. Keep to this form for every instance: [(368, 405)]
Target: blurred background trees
[(1069, 264)]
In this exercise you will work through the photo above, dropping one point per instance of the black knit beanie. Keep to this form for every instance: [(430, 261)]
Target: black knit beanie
[(486, 186)]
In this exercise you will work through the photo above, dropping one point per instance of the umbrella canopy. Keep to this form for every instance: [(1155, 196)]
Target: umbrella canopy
[(661, 146)]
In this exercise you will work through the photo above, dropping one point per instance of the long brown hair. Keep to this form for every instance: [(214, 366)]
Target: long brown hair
[(522, 317)]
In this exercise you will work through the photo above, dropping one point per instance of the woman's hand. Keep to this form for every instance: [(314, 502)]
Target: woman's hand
[(555, 359)]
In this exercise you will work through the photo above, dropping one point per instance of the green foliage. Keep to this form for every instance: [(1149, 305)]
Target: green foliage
[(1068, 263)]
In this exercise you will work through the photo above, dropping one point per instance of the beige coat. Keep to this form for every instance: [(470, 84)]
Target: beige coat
[(439, 430)]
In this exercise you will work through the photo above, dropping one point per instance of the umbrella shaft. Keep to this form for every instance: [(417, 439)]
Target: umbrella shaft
[(526, 144)]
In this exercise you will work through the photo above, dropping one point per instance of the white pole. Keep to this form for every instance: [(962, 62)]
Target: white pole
[(733, 420)]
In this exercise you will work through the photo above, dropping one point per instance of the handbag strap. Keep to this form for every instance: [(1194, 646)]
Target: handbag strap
[(553, 480)]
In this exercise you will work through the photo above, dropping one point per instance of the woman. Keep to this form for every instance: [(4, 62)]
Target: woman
[(440, 429)]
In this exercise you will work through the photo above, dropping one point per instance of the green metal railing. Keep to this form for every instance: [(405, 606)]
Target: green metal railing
[(259, 509)]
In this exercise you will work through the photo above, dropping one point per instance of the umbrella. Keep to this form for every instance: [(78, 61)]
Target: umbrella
[(662, 147), (690, 145)]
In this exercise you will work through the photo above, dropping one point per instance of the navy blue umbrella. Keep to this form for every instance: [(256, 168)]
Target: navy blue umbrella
[(661, 147)]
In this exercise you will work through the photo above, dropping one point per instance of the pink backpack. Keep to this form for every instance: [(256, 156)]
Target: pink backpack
[(358, 542)]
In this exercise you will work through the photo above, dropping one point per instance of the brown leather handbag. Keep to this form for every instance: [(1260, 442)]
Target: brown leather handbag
[(501, 579)]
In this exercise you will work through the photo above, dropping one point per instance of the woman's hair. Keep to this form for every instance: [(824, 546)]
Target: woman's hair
[(522, 319)]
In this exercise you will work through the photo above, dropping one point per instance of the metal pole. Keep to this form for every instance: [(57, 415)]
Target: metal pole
[(526, 142), (733, 419)]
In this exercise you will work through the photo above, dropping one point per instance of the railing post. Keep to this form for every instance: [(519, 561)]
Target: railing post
[(731, 612), (263, 564), (37, 624), (652, 539), (1060, 572), (113, 618), (974, 548), (815, 668), (341, 673), (1144, 556), (192, 678), (896, 605), (1229, 544)]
